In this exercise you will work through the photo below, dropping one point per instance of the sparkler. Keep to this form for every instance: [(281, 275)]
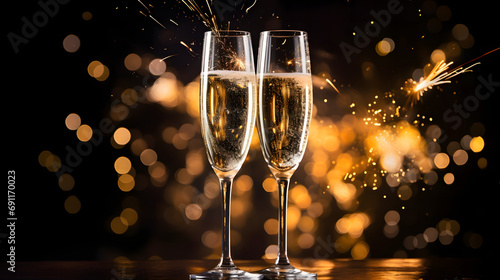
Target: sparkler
[(209, 20), (333, 86), (437, 76), (149, 14)]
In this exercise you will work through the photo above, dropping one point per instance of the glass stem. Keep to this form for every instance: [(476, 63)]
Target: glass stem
[(282, 209), (225, 185)]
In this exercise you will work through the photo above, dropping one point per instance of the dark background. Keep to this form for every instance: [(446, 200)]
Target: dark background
[(43, 83)]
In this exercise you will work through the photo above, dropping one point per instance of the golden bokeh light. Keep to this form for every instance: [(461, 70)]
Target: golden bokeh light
[(126, 182), (73, 121), (119, 225), (244, 183), (66, 182), (477, 144), (306, 224), (157, 66), (44, 158), (305, 240), (360, 250), (137, 146), (121, 136), (132, 62), (460, 157), (122, 165), (437, 56), (195, 163), (404, 192), (392, 217), (293, 217), (148, 157), (441, 160), (271, 252), (130, 215), (210, 239), (269, 185), (193, 211), (71, 43), (87, 15), (165, 91), (84, 133), (482, 163), (271, 226), (211, 189), (98, 70), (72, 204), (300, 196), (449, 178)]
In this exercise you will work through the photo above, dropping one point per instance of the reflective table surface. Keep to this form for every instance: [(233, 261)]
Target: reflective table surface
[(338, 269)]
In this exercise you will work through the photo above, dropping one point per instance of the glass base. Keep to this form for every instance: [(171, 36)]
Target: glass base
[(283, 272), (224, 273)]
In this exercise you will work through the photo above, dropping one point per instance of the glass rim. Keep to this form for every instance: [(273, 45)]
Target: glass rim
[(229, 33), (284, 33)]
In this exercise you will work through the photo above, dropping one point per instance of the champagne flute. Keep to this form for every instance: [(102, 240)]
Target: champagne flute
[(284, 114), (227, 110)]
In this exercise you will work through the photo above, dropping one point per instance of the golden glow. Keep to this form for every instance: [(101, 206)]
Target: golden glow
[(460, 157), (126, 182), (354, 224), (404, 192), (73, 121), (392, 217), (269, 185), (66, 182), (360, 250), (300, 196), (271, 252), (210, 239), (193, 211), (121, 136), (482, 163), (132, 62), (122, 165), (87, 15), (306, 224), (293, 217), (71, 43), (148, 157), (165, 91), (271, 226), (72, 204), (305, 240), (98, 70), (157, 67), (477, 144), (441, 160), (130, 215), (119, 225), (244, 183), (84, 133), (449, 178)]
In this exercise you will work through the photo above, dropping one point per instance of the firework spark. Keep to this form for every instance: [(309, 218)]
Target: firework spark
[(333, 86), (191, 52), (248, 9), (437, 76), (208, 19)]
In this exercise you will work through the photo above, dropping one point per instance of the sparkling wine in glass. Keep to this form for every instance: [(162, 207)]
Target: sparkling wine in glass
[(284, 114), (227, 110)]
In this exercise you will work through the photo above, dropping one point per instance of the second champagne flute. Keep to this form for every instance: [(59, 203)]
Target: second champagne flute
[(227, 111), (284, 115)]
